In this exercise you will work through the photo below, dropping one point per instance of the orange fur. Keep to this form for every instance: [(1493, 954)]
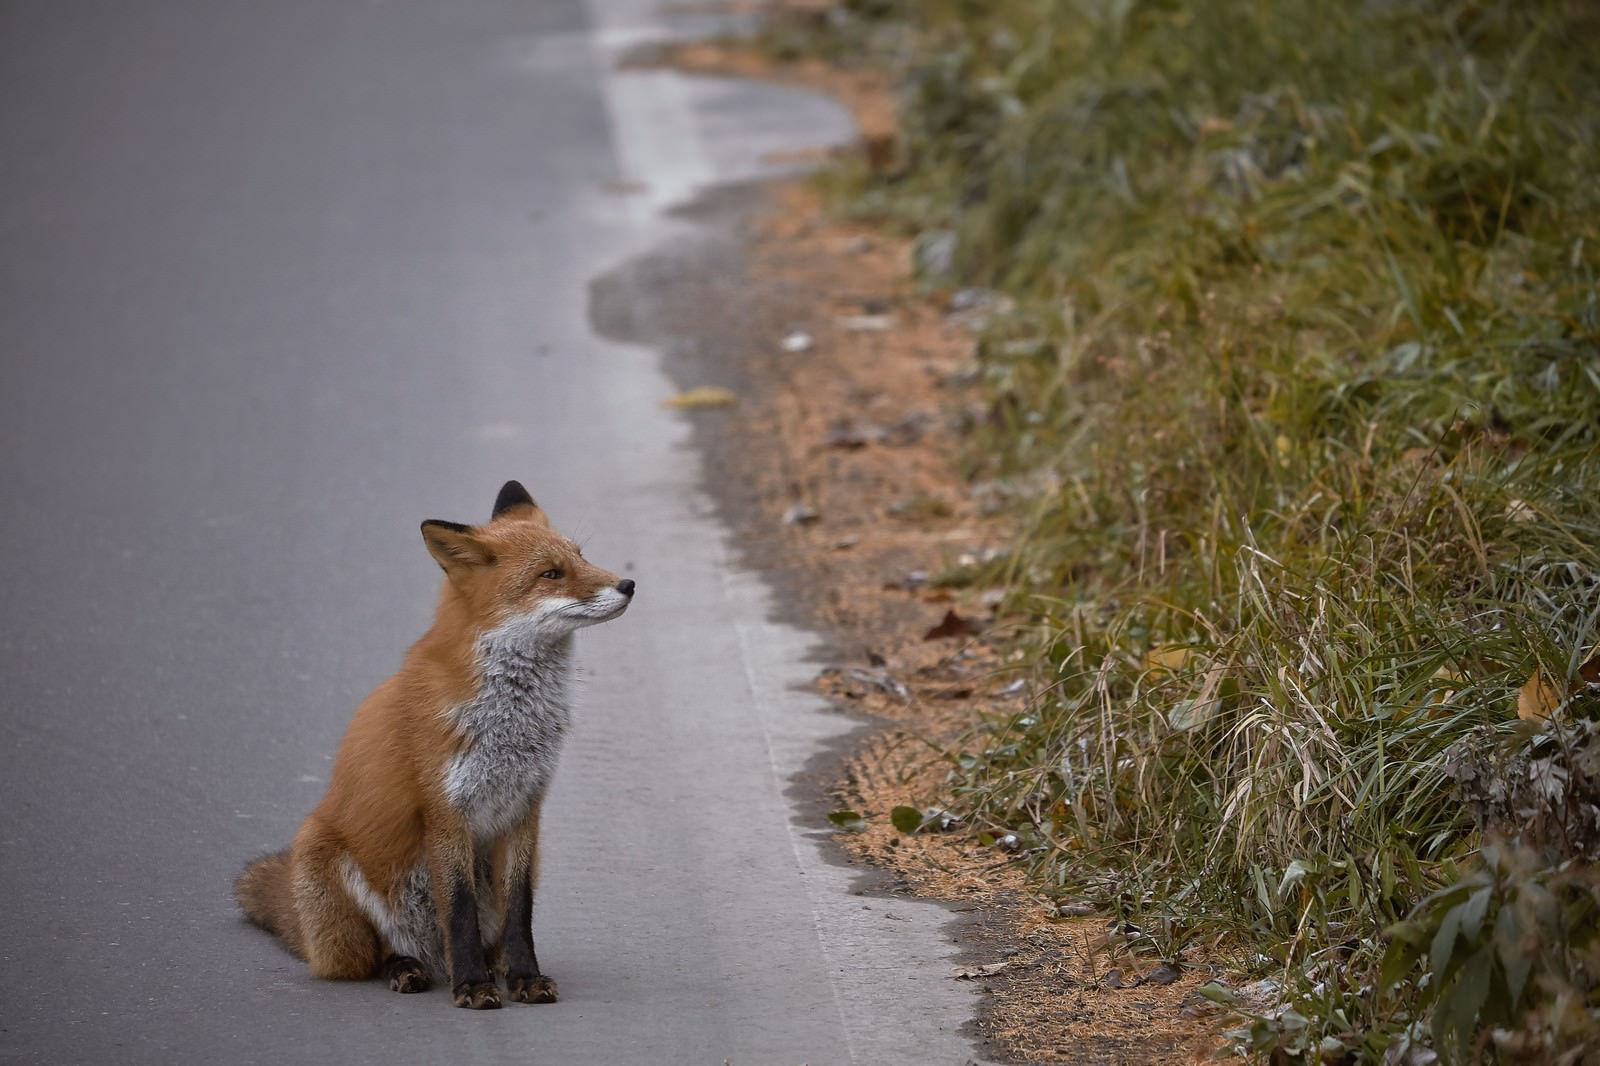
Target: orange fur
[(434, 801)]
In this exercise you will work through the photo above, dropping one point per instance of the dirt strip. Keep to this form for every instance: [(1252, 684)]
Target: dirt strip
[(866, 403)]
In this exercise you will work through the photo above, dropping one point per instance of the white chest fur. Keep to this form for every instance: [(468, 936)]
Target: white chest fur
[(513, 730)]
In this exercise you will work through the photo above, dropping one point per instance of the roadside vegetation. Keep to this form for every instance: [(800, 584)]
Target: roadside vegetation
[(1294, 362)]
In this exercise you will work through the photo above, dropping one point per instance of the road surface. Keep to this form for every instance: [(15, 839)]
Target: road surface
[(278, 281)]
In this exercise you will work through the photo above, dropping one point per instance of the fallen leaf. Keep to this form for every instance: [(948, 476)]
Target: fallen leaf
[(1191, 714), (913, 580), (905, 431), (846, 435), (967, 973), (953, 625), (1589, 672), (1170, 658), (1436, 698), (1537, 698), (704, 396), (1165, 974), (1216, 992), (1194, 713), (1520, 511), (906, 819), (883, 681), (848, 820)]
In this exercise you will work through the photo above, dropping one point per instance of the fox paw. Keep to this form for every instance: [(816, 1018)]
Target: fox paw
[(405, 974), (477, 995), (532, 989)]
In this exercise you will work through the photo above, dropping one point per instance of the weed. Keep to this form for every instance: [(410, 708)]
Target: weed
[(1307, 338)]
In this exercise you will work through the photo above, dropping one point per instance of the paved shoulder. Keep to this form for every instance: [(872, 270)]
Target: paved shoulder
[(279, 281)]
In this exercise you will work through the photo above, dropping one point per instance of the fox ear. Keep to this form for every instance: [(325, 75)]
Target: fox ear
[(514, 498), (455, 546)]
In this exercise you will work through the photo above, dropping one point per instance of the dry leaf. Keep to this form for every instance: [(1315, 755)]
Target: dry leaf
[(867, 323), (1520, 511), (883, 681), (1165, 974), (1589, 672), (953, 625), (1436, 698), (1538, 698), (704, 396), (1171, 658), (847, 435)]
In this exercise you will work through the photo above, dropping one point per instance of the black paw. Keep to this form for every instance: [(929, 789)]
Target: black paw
[(405, 974), (532, 989), (477, 995)]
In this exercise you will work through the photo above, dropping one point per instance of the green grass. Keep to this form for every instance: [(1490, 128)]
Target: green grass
[(1307, 350)]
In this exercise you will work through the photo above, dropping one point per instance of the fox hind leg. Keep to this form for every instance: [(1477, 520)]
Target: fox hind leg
[(405, 974), (340, 943)]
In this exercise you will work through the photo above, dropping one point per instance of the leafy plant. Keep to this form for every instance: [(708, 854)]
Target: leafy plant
[(1510, 957)]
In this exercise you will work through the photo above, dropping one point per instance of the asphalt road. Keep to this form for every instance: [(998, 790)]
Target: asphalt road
[(278, 281)]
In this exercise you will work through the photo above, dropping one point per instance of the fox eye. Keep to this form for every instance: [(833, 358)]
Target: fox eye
[(554, 574)]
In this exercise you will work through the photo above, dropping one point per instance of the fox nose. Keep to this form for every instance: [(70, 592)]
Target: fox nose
[(625, 586)]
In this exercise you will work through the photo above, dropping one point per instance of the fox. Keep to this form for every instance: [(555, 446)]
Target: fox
[(421, 861)]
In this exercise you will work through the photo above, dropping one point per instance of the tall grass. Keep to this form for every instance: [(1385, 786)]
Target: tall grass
[(1307, 349)]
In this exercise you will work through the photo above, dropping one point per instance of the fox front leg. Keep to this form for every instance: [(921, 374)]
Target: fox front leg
[(524, 982), (471, 984)]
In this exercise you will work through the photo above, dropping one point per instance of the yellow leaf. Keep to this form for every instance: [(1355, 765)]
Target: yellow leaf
[(704, 396), (1169, 658), (1436, 698), (1538, 698)]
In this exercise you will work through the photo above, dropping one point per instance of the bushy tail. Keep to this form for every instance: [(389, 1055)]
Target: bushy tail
[(267, 898)]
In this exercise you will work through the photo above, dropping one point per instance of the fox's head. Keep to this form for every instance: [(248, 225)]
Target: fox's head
[(516, 571)]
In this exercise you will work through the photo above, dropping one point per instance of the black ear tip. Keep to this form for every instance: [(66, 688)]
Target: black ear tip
[(512, 494)]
